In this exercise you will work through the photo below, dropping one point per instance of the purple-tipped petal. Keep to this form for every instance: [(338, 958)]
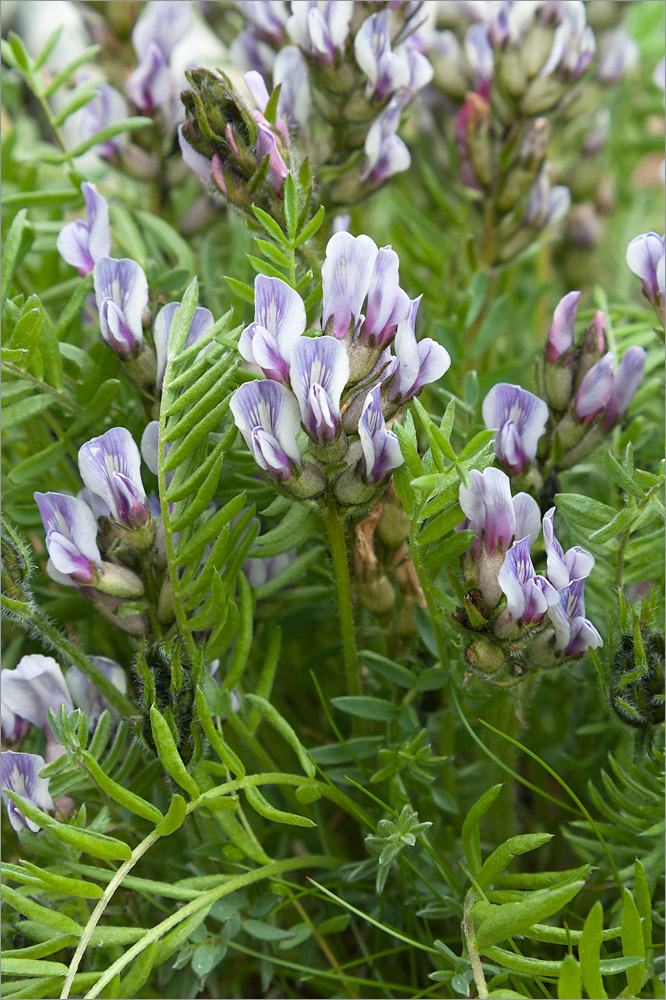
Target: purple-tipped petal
[(19, 772), (561, 336), (583, 635), (418, 362), (290, 72), (164, 24), (386, 154), (595, 390), (528, 516), (644, 255), (346, 276), (571, 605), (279, 321), (267, 146), (268, 417), (385, 71), (528, 596), (110, 466), (82, 243), (86, 696), (627, 379), (201, 322), (150, 86), (564, 567), (71, 535), (520, 418), (319, 372), (14, 728), (388, 305), (489, 507), (33, 686), (121, 292), (107, 108), (381, 449)]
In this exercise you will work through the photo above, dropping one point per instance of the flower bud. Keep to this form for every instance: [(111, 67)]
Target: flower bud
[(117, 581)]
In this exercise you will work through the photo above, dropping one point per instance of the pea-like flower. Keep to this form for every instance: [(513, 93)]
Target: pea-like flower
[(279, 321), (268, 417), (150, 86), (121, 291), (19, 773), (381, 449), (385, 152), (110, 467), (645, 257), (625, 384), (563, 567), (418, 362), (82, 243), (573, 632), (107, 108), (319, 372), (528, 595), (71, 538), (595, 390), (320, 28), (201, 322), (519, 418), (494, 515), (384, 69), (33, 686)]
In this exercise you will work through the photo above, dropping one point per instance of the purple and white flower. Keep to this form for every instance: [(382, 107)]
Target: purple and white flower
[(320, 28), (290, 73), (107, 108), (387, 303), (86, 696), (121, 292), (110, 466), (386, 153), (345, 277), (385, 70), (573, 632), (150, 86), (267, 17), (479, 53), (495, 517), (279, 321), (595, 390), (81, 243), (418, 363), (201, 322), (563, 567), (618, 54), (547, 204), (14, 728), (19, 773), (645, 257), (561, 336), (33, 686), (627, 379), (381, 449), (164, 24), (520, 418), (319, 372), (528, 595), (268, 417), (71, 538), (268, 146)]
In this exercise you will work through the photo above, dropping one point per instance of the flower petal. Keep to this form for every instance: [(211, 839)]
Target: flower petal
[(33, 686), (345, 276)]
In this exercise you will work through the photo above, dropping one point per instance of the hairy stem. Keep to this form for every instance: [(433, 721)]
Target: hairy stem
[(335, 530), (474, 957)]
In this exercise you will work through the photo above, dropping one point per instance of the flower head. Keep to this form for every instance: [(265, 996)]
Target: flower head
[(381, 449), (418, 363), (71, 538), (110, 467), (528, 596), (319, 372), (519, 418), (121, 292), (82, 243), (564, 567), (19, 773), (279, 321), (268, 417), (494, 515)]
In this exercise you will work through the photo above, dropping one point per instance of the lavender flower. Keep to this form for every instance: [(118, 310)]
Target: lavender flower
[(33, 686), (528, 596), (279, 321), (107, 108), (386, 153), (595, 390), (81, 243), (267, 415), (201, 322), (494, 515), (519, 418), (645, 257), (387, 304), (19, 773), (110, 467), (319, 372), (267, 146), (561, 336), (14, 728), (291, 74), (417, 362), (150, 86), (268, 18), (121, 291), (627, 379), (163, 25), (385, 71), (86, 696), (381, 450), (320, 28), (618, 54), (71, 533), (345, 278), (573, 632), (255, 83), (564, 567)]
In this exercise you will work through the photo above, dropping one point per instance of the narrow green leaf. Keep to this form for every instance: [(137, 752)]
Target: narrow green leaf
[(471, 837), (108, 132), (281, 726), (173, 818), (168, 753), (366, 707), (123, 796), (589, 953), (263, 807), (32, 967), (514, 918), (64, 884), (88, 55), (26, 409), (99, 845), (312, 227), (13, 244), (496, 862), (42, 914), (290, 195), (633, 945), (35, 465), (270, 225)]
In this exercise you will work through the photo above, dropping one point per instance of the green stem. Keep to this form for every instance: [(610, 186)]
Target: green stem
[(31, 619), (335, 530), (474, 957)]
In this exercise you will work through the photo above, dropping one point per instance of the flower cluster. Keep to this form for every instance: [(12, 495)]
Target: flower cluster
[(508, 603), (340, 387)]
